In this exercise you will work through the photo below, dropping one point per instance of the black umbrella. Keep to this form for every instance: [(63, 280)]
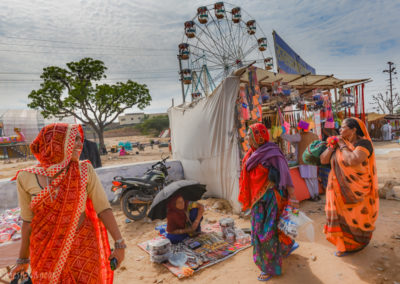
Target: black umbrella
[(189, 189)]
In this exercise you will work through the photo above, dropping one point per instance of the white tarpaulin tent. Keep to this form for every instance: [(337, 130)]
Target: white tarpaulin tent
[(204, 139)]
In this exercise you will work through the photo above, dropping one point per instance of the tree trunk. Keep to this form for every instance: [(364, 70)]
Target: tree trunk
[(102, 146)]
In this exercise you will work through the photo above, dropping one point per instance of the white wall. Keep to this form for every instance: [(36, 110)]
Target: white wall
[(8, 189)]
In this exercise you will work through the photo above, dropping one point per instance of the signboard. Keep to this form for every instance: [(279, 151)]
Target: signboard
[(289, 61)]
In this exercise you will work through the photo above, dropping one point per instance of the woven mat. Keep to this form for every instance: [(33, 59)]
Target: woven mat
[(218, 255)]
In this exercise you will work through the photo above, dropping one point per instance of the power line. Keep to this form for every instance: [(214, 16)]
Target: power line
[(113, 54), (79, 48), (78, 43)]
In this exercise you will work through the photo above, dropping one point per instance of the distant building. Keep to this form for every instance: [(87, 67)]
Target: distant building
[(131, 118), (136, 118)]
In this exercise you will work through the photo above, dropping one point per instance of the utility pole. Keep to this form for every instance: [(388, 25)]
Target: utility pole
[(390, 71)]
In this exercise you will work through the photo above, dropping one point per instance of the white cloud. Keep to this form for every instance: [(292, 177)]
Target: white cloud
[(343, 38)]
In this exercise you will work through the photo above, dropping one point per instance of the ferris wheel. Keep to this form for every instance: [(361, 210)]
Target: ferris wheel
[(219, 39)]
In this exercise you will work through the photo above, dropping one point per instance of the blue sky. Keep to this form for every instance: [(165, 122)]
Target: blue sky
[(138, 40)]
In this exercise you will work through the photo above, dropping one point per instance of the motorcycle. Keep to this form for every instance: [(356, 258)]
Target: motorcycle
[(136, 194)]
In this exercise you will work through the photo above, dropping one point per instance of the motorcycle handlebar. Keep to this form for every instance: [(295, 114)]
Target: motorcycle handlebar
[(160, 162)]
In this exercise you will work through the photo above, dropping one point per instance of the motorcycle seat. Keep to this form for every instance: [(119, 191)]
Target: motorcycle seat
[(142, 181)]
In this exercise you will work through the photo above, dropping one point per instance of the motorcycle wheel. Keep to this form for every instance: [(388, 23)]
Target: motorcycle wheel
[(133, 211)]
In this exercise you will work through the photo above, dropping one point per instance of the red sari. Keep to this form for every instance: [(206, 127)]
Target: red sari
[(60, 250)]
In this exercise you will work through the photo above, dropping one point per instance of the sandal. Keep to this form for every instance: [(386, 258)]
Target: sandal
[(264, 277), (294, 247), (343, 253)]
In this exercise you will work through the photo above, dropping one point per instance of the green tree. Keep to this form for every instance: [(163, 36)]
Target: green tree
[(73, 92), (156, 123)]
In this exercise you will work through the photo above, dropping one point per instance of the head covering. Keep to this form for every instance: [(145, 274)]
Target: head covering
[(53, 148), (260, 133), (176, 218)]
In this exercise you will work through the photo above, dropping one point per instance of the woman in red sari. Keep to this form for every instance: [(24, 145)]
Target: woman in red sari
[(65, 213), (266, 187)]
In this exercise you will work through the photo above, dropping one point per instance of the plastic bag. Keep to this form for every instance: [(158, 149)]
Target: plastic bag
[(305, 227), (296, 225)]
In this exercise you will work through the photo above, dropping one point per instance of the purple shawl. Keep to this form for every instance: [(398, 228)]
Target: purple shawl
[(269, 155)]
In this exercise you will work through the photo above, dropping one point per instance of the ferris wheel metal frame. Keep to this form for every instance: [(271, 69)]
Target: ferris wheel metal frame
[(215, 42)]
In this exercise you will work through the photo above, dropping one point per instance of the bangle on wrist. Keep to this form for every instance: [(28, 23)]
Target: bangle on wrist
[(23, 261), (120, 245)]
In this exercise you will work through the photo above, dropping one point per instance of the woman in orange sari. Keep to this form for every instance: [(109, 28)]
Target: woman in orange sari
[(65, 213), (352, 201)]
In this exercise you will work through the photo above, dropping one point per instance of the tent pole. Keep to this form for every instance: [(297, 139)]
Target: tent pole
[(181, 74)]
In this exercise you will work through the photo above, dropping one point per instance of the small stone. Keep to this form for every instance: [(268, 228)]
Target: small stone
[(160, 281), (396, 236), (313, 258), (385, 278), (139, 258), (380, 269), (212, 221)]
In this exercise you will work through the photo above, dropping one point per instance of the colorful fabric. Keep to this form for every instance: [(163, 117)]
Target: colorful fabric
[(323, 174), (253, 184), (62, 252), (270, 244), (352, 201), (270, 156)]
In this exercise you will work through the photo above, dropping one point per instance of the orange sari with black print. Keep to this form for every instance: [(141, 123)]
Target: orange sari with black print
[(60, 250), (352, 200)]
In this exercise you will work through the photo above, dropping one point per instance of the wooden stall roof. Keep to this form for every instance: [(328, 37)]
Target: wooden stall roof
[(306, 81), (372, 116)]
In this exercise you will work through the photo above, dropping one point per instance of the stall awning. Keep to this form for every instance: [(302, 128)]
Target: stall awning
[(375, 116), (306, 81)]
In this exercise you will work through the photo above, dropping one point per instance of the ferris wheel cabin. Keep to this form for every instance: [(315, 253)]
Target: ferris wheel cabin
[(184, 51), (219, 10), (251, 27), (190, 29), (236, 15), (262, 43), (202, 14)]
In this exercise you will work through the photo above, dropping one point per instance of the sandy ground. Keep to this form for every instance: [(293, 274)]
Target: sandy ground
[(311, 263)]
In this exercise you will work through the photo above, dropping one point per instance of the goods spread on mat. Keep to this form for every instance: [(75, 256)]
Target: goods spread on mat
[(216, 243), (10, 226)]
